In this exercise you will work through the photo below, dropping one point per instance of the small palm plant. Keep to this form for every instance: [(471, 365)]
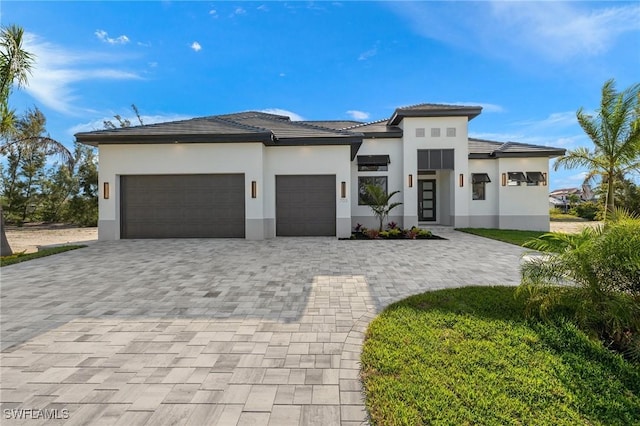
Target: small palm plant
[(594, 277), (380, 202)]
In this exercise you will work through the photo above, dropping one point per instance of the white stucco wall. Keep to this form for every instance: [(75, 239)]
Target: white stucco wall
[(379, 146), (308, 160), (523, 207), (459, 202), (257, 163)]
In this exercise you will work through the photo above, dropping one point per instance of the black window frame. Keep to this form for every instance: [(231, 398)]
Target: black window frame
[(363, 181), (515, 178), (534, 178), (479, 186), (373, 163)]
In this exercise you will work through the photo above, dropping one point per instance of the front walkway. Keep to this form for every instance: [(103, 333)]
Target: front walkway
[(214, 331)]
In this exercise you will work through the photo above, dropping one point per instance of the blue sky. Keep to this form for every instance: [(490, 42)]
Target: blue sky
[(531, 65)]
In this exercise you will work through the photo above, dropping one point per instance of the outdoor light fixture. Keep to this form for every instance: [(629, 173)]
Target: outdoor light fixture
[(105, 190), (544, 181), (254, 189), (410, 181), (504, 179), (343, 189), (461, 180)]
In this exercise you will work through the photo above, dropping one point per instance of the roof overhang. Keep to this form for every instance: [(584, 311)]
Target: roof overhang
[(470, 112), (95, 139)]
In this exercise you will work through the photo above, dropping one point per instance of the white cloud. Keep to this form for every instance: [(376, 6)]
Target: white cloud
[(368, 54), (104, 36), (239, 11), (98, 124), (263, 8), (358, 115), (554, 120), (554, 31), (279, 111), (213, 13), (58, 69), (282, 74), (196, 46)]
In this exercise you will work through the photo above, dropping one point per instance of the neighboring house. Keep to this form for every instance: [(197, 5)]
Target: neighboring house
[(562, 198), (258, 175)]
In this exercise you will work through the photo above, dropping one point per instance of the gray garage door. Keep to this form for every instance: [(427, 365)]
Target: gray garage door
[(182, 206), (306, 205)]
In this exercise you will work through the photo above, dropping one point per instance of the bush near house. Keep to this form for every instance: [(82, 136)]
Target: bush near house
[(470, 356), (587, 210), (592, 278)]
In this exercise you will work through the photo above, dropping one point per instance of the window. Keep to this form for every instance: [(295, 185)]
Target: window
[(534, 178), (373, 163), (451, 132), (364, 181), (516, 178), (435, 132), (479, 182), (420, 132)]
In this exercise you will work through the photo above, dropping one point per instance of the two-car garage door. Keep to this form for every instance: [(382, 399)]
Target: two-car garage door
[(182, 206), (213, 206)]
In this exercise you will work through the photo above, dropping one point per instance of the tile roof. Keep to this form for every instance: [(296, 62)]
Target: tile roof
[(480, 148), (333, 124), (246, 126), (434, 110)]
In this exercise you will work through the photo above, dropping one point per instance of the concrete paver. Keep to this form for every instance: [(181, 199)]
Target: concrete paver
[(215, 331)]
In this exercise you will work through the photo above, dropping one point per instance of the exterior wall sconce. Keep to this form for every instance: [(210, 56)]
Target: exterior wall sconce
[(544, 181), (504, 179), (410, 181), (254, 189), (105, 190), (343, 189), (461, 180)]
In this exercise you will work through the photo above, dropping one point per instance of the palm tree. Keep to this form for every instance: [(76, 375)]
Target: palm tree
[(379, 201), (615, 132), (15, 65)]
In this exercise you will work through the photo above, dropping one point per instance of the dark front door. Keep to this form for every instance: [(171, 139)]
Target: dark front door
[(427, 200)]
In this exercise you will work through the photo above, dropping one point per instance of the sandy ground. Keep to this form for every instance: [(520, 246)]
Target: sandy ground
[(29, 237)]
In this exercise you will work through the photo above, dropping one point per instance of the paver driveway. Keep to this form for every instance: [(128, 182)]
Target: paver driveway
[(214, 331)]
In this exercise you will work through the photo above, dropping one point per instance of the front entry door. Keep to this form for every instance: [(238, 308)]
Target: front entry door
[(427, 200)]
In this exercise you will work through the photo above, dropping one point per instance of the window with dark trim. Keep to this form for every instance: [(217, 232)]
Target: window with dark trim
[(373, 163), (516, 178), (535, 178), (478, 183), (364, 181)]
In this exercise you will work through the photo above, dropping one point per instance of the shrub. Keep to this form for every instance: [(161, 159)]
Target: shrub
[(593, 277), (373, 234), (587, 210)]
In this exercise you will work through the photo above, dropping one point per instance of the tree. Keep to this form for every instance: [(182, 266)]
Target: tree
[(15, 65), (615, 132), (27, 150), (380, 202), (123, 122)]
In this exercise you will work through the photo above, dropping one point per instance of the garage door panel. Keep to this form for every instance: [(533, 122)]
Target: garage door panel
[(306, 205), (182, 206)]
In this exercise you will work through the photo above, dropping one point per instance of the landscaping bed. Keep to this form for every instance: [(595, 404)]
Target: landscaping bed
[(469, 356)]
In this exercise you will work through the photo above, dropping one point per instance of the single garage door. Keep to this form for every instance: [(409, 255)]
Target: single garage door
[(306, 205), (182, 206)]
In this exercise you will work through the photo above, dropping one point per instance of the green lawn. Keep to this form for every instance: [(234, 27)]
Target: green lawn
[(467, 356), (23, 257), (512, 236)]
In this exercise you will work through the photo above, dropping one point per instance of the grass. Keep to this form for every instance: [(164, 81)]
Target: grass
[(23, 257), (468, 356), (565, 217), (511, 236)]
